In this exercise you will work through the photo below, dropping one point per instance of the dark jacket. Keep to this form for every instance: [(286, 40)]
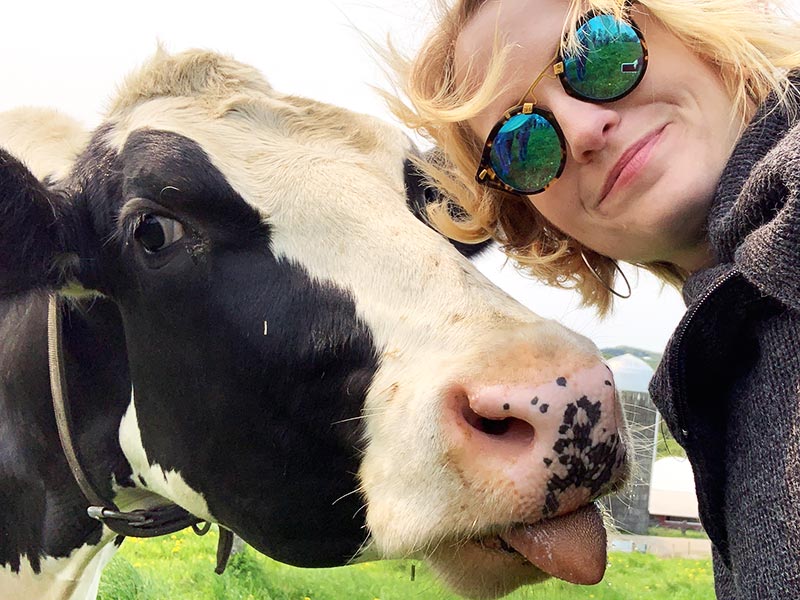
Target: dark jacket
[(729, 384)]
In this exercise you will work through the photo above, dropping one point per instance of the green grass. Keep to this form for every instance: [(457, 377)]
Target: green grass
[(542, 157), (667, 446), (666, 532), (544, 151), (603, 77), (181, 567)]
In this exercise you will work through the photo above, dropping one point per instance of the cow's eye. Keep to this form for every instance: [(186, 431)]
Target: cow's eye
[(155, 233)]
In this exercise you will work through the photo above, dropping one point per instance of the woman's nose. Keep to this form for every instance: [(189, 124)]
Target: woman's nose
[(586, 126)]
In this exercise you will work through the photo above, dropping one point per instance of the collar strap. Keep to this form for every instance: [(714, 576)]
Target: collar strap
[(150, 522)]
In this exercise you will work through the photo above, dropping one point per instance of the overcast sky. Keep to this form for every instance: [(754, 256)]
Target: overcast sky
[(70, 55)]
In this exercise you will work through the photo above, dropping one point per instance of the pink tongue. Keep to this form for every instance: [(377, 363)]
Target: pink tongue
[(571, 547)]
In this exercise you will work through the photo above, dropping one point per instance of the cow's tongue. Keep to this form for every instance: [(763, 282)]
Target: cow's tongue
[(571, 547)]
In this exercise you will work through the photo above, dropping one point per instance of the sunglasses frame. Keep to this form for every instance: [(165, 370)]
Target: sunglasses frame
[(486, 174)]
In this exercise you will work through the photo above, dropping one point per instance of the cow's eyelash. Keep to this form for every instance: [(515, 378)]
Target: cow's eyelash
[(137, 209), (127, 223)]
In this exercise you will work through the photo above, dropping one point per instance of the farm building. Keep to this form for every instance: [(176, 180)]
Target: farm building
[(673, 502), (661, 491), (629, 508)]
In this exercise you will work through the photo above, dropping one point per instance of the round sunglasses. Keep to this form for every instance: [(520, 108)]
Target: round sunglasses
[(525, 152)]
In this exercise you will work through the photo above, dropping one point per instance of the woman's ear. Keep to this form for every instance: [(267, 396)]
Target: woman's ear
[(36, 227)]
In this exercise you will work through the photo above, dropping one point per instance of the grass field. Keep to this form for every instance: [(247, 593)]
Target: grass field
[(667, 446), (181, 567), (677, 533)]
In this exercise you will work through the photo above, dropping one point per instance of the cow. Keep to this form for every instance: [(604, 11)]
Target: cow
[(258, 332)]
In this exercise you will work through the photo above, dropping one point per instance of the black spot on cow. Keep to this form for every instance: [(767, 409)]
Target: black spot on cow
[(535, 401), (562, 381), (587, 465), (506, 406), (543, 408)]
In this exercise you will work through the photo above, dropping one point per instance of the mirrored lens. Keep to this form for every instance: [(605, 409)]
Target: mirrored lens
[(526, 153), (611, 61)]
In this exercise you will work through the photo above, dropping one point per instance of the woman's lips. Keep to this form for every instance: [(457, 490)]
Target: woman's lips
[(630, 164)]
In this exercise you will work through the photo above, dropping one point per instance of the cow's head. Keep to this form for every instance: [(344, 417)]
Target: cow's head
[(312, 367)]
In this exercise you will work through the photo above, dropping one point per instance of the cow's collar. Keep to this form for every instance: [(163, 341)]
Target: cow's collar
[(150, 522)]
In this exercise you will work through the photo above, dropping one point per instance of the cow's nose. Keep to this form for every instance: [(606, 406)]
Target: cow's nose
[(556, 442)]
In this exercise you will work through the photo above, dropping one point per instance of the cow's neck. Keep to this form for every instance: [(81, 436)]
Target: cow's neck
[(49, 548)]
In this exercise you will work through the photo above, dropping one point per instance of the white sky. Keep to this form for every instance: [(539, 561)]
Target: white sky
[(70, 55)]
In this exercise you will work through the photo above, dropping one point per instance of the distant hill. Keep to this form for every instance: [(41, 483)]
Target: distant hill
[(651, 358)]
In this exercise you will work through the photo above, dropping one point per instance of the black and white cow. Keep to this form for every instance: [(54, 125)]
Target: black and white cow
[(258, 330)]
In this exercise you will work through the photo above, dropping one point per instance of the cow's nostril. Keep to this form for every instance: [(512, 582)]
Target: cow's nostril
[(484, 425), (507, 428), (494, 427)]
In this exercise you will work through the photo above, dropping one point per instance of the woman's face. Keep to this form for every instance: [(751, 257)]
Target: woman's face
[(641, 171)]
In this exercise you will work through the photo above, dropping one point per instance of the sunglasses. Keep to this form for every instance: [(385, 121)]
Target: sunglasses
[(525, 152)]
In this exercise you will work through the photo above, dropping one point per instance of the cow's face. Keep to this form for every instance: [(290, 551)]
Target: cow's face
[(312, 367)]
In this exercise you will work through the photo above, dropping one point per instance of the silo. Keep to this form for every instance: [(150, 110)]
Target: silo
[(629, 508)]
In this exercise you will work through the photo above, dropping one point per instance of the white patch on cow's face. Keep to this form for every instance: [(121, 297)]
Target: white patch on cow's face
[(168, 484), (337, 207), (75, 577)]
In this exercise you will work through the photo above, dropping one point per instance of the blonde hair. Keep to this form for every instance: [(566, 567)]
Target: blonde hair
[(754, 44)]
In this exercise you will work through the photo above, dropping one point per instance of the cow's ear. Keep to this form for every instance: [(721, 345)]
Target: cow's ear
[(419, 194), (35, 224)]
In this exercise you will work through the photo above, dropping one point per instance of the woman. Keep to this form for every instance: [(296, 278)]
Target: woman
[(660, 133)]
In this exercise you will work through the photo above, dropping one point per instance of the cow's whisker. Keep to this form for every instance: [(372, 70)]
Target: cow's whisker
[(356, 418), (350, 493)]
